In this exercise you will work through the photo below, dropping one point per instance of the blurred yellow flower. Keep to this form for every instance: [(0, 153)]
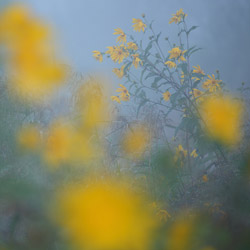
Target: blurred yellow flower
[(211, 84), (124, 94), (170, 64), (29, 138), (32, 71), (194, 153), (166, 96), (223, 117), (118, 53), (132, 46), (136, 60), (180, 235), (97, 55), (116, 99), (93, 103), (122, 36), (58, 144), (204, 178), (119, 72), (138, 24), (104, 215), (136, 140)]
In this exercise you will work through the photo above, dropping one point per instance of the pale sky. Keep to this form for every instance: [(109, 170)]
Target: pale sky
[(86, 25)]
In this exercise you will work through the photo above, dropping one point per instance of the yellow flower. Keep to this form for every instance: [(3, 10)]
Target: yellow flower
[(194, 154), (180, 235), (166, 96), (170, 64), (29, 138), (138, 24), (135, 141), (211, 84), (177, 17), (176, 53), (180, 152), (97, 55), (110, 50), (118, 53), (124, 94), (204, 178), (93, 103), (136, 60), (103, 215), (132, 46), (122, 37), (58, 144), (116, 99), (197, 95), (32, 71), (223, 117), (198, 70), (182, 77), (119, 72)]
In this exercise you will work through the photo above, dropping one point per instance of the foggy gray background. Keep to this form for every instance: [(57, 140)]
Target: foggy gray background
[(86, 25)]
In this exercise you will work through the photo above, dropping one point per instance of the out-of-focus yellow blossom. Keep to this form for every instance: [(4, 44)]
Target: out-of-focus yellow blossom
[(93, 103), (136, 60), (116, 99), (197, 69), (131, 45), (119, 72), (180, 235), (138, 24), (223, 117), (58, 144), (32, 71), (194, 153), (124, 94), (29, 138), (163, 215), (177, 17), (104, 215), (166, 96), (118, 53), (122, 36), (84, 148), (170, 64), (177, 53), (97, 55), (205, 178), (135, 141), (211, 84)]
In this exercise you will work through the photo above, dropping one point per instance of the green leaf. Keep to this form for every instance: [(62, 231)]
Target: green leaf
[(150, 74), (148, 47), (142, 103), (192, 28), (127, 67), (156, 80), (158, 36)]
